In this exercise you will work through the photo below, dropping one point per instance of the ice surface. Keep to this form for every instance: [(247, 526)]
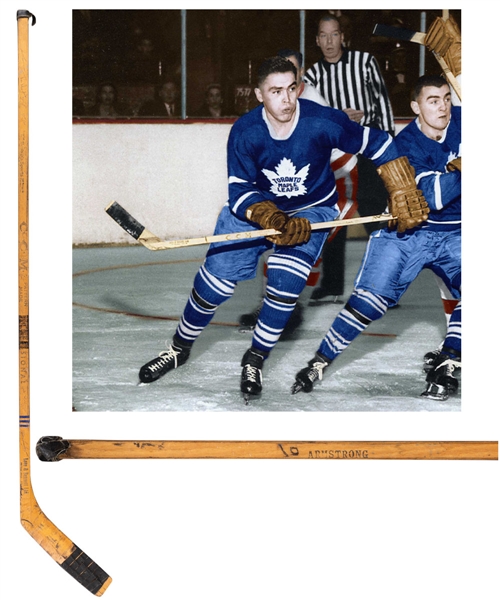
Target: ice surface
[(127, 301)]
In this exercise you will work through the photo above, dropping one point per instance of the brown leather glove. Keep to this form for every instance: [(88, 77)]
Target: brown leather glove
[(455, 164), (406, 202), (444, 38), (297, 231), (267, 215)]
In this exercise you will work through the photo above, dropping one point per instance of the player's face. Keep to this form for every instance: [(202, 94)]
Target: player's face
[(330, 39), (433, 107), (279, 95)]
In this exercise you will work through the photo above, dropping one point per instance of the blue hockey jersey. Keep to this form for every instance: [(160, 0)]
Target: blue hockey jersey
[(294, 172), (442, 189)]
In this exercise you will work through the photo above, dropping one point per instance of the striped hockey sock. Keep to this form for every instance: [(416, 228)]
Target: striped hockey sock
[(208, 293), (453, 339), (287, 276), (360, 310)]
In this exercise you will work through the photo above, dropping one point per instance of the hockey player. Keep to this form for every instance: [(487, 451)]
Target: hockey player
[(280, 178), (444, 39), (346, 177), (392, 260)]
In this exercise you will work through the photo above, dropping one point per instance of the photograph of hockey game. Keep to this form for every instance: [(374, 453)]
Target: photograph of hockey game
[(210, 173)]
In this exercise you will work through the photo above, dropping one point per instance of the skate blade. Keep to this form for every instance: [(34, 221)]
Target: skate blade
[(297, 387), (325, 301), (247, 397), (440, 394), (245, 329)]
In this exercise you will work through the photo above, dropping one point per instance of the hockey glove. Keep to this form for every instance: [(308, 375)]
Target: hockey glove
[(267, 215), (444, 38), (406, 202), (297, 231), (455, 164)]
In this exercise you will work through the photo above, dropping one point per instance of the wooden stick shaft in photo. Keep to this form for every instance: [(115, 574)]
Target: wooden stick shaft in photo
[(52, 449), (152, 242), (42, 530)]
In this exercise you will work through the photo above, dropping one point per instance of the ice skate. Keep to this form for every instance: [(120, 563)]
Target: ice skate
[(248, 321), (305, 378), (431, 357), (430, 360), (321, 296), (173, 357), (251, 375), (441, 382)]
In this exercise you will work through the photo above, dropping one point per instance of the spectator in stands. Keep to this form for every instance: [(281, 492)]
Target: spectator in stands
[(213, 106), (144, 63), (78, 107), (106, 104), (165, 104)]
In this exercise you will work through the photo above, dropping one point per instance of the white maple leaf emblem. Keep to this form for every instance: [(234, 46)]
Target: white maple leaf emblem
[(453, 155), (286, 181)]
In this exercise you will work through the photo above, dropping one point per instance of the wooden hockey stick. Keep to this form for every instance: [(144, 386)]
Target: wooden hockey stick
[(153, 242), (53, 449), (42, 530), (399, 33)]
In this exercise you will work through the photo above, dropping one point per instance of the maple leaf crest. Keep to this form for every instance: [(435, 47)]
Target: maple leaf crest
[(453, 155), (286, 181)]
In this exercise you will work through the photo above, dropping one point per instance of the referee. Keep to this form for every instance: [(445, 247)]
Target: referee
[(351, 81)]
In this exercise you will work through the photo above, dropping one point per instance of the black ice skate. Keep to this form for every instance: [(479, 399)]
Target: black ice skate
[(174, 357), (251, 375), (441, 382), (248, 321), (430, 360), (431, 357), (305, 378)]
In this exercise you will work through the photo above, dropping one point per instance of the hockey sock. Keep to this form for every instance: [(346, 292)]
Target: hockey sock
[(453, 339), (287, 276), (208, 293), (359, 311)]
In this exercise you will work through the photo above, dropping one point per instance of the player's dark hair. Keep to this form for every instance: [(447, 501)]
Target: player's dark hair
[(275, 64), (427, 81), (286, 53)]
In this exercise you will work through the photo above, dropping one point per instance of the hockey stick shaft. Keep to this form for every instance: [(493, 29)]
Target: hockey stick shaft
[(153, 242), (42, 530), (52, 449), (418, 37)]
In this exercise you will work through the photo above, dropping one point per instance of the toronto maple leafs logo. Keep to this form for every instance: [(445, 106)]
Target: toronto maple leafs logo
[(453, 155), (286, 181)]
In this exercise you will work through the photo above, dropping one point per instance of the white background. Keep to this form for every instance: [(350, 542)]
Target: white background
[(238, 528)]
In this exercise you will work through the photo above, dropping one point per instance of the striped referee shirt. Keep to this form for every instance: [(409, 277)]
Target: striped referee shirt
[(355, 81)]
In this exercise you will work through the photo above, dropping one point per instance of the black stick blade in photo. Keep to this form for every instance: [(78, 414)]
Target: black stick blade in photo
[(125, 220)]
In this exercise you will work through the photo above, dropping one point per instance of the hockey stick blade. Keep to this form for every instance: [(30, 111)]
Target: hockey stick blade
[(399, 33), (153, 242)]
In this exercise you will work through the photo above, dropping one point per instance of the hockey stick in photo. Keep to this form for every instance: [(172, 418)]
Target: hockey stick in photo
[(54, 449), (399, 33), (42, 530), (153, 242)]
